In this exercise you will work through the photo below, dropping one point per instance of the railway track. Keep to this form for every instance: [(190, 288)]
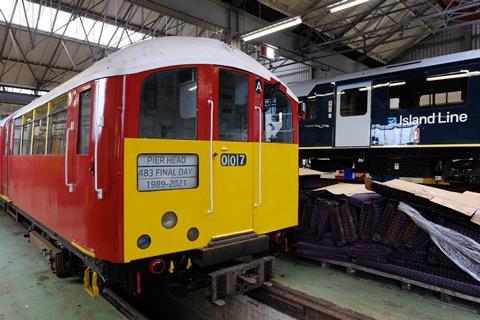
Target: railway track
[(301, 306), (122, 305)]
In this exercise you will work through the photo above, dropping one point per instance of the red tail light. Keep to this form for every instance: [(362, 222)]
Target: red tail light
[(157, 266)]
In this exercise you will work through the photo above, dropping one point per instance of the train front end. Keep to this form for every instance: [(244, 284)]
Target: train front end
[(210, 163)]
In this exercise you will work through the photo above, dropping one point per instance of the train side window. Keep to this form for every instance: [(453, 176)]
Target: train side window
[(84, 121), (40, 130), (168, 105), (420, 93), (233, 106), (57, 126), (353, 102), (17, 135), (27, 133), (278, 116)]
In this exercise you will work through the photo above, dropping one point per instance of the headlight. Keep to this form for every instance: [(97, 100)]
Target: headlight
[(169, 220), (193, 234), (144, 241)]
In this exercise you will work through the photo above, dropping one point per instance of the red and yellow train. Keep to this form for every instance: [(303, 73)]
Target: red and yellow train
[(171, 154)]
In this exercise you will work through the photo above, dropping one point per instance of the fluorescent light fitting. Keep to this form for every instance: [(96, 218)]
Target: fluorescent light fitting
[(460, 74), (192, 88), (342, 5), (364, 88), (285, 24)]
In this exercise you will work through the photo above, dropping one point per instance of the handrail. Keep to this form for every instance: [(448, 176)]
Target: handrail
[(259, 203), (67, 184), (210, 102), (95, 160)]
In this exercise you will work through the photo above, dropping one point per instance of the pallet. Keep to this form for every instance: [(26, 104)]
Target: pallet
[(406, 284)]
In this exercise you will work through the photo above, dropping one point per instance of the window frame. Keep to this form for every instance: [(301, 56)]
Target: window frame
[(27, 119), (423, 75), (56, 110), (249, 101), (290, 106), (367, 92), (145, 76), (36, 118), (82, 90)]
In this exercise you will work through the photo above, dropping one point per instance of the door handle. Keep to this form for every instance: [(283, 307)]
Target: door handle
[(210, 103), (95, 160), (67, 139), (260, 131)]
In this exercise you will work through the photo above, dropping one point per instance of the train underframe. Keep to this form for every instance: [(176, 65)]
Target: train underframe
[(457, 166), (228, 267)]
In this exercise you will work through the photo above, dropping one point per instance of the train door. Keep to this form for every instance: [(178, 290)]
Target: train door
[(353, 108), (79, 163), (232, 154), (6, 141)]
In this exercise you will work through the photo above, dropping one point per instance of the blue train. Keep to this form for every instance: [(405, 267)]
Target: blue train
[(415, 119)]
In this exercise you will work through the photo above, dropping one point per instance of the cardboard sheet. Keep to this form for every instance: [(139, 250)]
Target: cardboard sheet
[(348, 189), (467, 203), (302, 172)]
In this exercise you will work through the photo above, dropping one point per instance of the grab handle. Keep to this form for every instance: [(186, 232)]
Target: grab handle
[(210, 102), (260, 131), (97, 138), (69, 129)]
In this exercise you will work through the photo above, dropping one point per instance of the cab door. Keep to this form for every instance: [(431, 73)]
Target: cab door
[(233, 161)]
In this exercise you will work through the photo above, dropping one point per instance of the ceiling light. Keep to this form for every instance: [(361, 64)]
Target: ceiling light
[(398, 83), (341, 5), (272, 28), (459, 74)]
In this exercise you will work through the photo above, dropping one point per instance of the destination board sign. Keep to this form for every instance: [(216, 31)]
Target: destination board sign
[(157, 172)]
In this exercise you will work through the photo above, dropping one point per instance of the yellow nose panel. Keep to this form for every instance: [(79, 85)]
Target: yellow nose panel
[(174, 176)]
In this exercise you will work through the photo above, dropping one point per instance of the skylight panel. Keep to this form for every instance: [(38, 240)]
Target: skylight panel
[(64, 23)]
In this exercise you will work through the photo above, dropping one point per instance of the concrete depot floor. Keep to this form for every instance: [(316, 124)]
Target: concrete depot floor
[(366, 296), (29, 290)]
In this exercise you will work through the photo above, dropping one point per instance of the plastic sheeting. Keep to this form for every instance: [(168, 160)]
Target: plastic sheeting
[(462, 250)]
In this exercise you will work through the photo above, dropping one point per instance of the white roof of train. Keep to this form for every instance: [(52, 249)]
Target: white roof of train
[(302, 89), (157, 53)]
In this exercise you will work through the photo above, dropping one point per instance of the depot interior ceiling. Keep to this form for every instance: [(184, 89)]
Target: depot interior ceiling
[(374, 32), (45, 42)]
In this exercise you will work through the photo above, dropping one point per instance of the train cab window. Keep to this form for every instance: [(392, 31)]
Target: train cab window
[(168, 106), (57, 126), (353, 102), (278, 116), (17, 134), (27, 133), (39, 130), (84, 121), (233, 106)]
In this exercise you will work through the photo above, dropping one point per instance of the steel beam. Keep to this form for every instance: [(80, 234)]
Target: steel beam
[(16, 98), (215, 13)]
